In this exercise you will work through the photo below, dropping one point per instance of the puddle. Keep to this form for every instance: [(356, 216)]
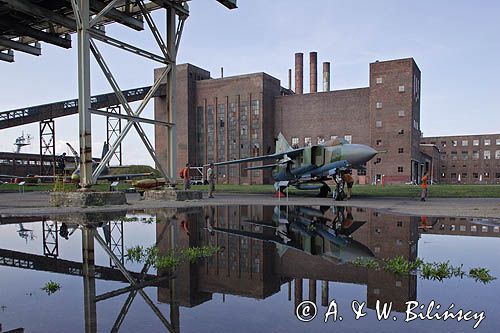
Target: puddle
[(272, 265)]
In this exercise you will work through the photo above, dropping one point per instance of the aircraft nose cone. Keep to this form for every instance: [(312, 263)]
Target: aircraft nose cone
[(359, 154)]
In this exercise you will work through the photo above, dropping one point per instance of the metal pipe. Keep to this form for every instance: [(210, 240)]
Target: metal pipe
[(313, 72), (299, 73), (326, 76), (222, 72)]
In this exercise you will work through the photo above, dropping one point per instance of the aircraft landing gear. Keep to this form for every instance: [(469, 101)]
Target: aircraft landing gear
[(339, 194), (323, 191)]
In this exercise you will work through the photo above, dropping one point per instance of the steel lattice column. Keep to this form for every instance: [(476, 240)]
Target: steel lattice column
[(50, 239), (114, 240), (114, 129), (47, 147)]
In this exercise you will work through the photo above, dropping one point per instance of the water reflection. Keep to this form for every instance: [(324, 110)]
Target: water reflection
[(262, 248)]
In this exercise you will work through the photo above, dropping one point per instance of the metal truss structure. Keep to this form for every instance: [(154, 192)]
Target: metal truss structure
[(115, 241), (50, 239), (23, 23), (47, 147), (113, 130)]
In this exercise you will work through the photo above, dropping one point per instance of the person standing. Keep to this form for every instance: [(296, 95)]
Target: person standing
[(185, 177), (423, 185), (211, 180), (347, 178), (61, 163)]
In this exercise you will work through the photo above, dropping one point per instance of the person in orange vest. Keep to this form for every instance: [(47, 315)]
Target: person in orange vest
[(185, 177), (347, 178), (423, 185)]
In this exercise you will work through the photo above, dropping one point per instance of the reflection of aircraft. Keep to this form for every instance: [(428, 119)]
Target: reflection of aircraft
[(306, 229), (26, 234), (308, 167), (75, 176)]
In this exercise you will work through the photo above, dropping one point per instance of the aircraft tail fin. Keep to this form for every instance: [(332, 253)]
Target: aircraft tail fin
[(282, 145)]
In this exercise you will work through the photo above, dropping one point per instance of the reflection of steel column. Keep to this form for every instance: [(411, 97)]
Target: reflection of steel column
[(298, 292), (313, 72), (174, 298), (289, 290), (326, 76), (312, 290), (324, 293), (89, 280), (299, 73)]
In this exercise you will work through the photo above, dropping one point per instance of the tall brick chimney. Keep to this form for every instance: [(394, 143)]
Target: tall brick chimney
[(290, 78), (299, 73), (326, 76), (313, 72)]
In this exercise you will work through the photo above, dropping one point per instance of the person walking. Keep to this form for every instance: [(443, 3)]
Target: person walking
[(211, 180), (423, 185), (185, 177), (347, 178)]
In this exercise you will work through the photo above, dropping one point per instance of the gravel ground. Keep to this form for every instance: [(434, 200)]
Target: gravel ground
[(36, 203)]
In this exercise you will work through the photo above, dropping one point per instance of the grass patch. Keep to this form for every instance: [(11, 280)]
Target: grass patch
[(426, 270), (51, 287), (151, 255)]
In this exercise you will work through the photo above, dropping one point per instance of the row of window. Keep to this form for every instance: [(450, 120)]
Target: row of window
[(319, 140), (465, 143), (475, 155), (401, 88), (463, 175)]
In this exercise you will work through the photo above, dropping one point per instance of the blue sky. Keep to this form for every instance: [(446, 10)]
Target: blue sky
[(455, 44)]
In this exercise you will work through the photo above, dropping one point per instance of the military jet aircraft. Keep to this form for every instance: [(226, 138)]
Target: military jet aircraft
[(307, 168), (75, 176)]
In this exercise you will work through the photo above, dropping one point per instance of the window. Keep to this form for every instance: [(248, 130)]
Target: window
[(378, 123), (473, 228), (295, 142), (400, 223), (487, 155), (348, 138), (443, 157), (401, 89), (320, 140), (400, 150), (333, 137), (486, 175), (453, 175), (443, 175), (378, 80), (453, 155), (378, 105), (465, 156), (475, 175), (362, 172), (465, 143), (475, 155), (475, 142), (379, 143), (443, 144), (401, 113), (307, 141), (487, 142), (497, 175), (400, 169), (454, 143), (401, 131), (415, 124), (497, 154), (498, 142), (464, 175)]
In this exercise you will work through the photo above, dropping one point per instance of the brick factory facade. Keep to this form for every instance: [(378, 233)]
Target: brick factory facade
[(236, 117)]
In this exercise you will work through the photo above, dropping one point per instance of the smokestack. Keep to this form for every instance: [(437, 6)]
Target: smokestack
[(313, 72), (326, 76), (290, 78), (299, 73), (222, 72)]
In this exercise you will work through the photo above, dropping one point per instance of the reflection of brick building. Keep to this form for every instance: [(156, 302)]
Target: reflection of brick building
[(253, 268)]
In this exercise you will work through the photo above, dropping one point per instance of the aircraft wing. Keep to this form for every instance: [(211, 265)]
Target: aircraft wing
[(290, 153), (124, 176)]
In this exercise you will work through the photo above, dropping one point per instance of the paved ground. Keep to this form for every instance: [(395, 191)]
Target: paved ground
[(36, 203)]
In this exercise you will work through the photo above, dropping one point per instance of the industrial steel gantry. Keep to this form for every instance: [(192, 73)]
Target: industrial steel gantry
[(23, 23)]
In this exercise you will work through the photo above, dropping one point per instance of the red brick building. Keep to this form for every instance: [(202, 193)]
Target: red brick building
[(235, 117)]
